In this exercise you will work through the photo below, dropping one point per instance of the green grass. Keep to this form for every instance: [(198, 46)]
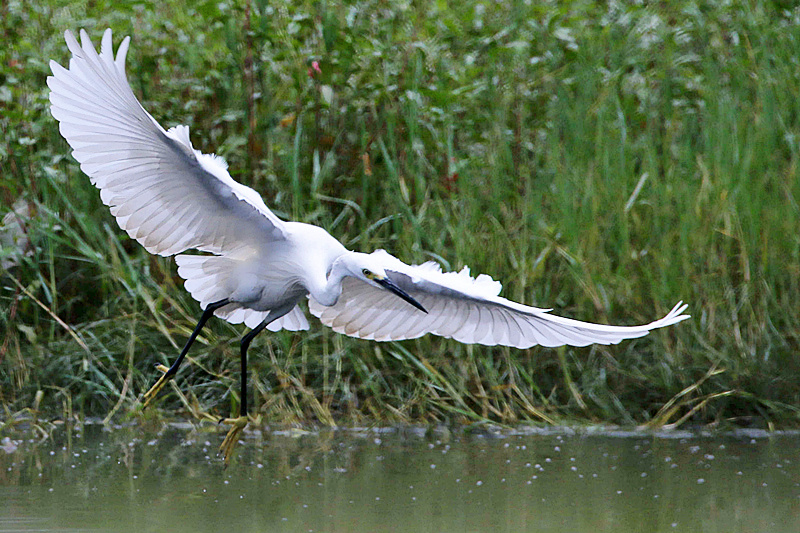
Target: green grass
[(603, 161)]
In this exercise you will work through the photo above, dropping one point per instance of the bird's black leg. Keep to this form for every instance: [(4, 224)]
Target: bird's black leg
[(238, 424), (246, 340), (208, 312)]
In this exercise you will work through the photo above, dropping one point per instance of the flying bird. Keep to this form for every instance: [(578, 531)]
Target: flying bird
[(258, 269)]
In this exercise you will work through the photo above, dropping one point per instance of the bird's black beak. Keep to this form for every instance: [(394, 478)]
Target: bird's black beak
[(387, 284)]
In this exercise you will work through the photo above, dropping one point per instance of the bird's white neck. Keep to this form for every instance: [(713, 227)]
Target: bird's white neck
[(328, 293)]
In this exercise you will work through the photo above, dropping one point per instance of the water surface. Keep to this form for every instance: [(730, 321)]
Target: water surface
[(128, 479)]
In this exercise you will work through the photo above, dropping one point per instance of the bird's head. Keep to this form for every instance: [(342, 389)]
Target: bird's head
[(369, 269)]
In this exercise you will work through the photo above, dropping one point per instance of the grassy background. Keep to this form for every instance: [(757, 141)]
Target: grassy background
[(603, 160)]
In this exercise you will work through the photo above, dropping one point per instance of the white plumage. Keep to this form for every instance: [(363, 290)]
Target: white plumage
[(172, 198)]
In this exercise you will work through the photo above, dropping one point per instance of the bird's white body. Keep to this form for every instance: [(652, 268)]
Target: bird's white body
[(262, 277), (172, 198)]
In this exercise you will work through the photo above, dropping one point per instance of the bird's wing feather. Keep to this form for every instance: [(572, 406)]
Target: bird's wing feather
[(164, 193), (463, 308)]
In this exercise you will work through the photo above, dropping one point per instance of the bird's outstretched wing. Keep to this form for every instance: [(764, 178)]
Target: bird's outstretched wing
[(164, 193), (463, 308)]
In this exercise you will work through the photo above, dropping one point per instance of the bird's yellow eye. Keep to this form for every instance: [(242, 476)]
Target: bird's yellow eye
[(367, 273)]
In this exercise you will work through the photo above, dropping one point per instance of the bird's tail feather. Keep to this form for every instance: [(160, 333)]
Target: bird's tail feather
[(206, 279)]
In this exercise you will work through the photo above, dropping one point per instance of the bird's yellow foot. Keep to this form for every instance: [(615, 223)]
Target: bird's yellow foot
[(150, 395), (232, 438)]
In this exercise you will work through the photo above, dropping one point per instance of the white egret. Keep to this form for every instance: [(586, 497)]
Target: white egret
[(259, 268)]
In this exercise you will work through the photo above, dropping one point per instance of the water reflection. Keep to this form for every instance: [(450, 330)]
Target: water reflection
[(127, 479)]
